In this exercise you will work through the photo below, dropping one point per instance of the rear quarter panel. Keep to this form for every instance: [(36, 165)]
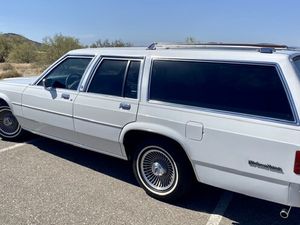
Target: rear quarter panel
[(221, 157)]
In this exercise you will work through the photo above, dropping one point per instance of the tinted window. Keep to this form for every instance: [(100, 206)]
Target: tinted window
[(297, 63), (109, 77), (68, 73), (249, 89), (131, 84)]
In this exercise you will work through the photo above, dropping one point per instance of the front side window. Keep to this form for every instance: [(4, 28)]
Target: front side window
[(68, 73), (248, 89), (116, 77)]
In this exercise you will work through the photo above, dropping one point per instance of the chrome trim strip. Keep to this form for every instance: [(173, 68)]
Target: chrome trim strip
[(79, 145), (141, 75), (295, 122), (87, 72), (16, 103), (241, 173), (47, 111), (97, 122), (221, 113)]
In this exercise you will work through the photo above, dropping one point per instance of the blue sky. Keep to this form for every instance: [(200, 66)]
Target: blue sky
[(144, 21)]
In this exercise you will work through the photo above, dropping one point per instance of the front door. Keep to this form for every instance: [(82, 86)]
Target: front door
[(108, 104), (48, 111)]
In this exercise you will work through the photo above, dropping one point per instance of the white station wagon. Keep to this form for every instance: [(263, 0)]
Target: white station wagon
[(224, 115)]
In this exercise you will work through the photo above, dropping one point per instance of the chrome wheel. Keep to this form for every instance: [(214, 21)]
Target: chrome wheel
[(9, 126), (157, 170)]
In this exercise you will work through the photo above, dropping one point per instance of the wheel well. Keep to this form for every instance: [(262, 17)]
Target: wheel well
[(3, 102), (134, 137)]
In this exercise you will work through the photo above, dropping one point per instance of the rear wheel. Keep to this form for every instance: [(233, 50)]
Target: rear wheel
[(10, 128), (162, 170)]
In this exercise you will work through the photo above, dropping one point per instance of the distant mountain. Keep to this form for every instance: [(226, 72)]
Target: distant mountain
[(18, 39)]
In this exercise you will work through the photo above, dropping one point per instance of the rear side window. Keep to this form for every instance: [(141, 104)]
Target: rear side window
[(241, 88), (108, 78), (116, 77), (297, 62)]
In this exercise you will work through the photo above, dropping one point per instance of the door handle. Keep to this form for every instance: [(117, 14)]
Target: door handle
[(65, 96), (125, 106)]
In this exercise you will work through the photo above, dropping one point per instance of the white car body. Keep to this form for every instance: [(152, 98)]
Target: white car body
[(226, 150)]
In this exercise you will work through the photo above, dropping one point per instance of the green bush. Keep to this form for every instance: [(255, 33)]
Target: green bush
[(5, 48), (23, 53), (56, 46), (106, 43)]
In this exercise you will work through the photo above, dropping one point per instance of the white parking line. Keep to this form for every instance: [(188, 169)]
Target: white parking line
[(12, 147), (216, 217), (17, 145)]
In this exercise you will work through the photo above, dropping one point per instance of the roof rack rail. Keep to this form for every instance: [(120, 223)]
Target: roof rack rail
[(261, 47)]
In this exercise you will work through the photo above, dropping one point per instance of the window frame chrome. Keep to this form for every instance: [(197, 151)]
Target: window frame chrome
[(292, 105)]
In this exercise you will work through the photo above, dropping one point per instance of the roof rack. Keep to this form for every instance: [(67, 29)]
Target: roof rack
[(263, 48)]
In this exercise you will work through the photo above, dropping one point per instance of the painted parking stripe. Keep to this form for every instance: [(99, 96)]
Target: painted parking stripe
[(17, 145), (12, 147), (216, 217)]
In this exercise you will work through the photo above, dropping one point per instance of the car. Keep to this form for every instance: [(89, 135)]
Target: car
[(226, 115)]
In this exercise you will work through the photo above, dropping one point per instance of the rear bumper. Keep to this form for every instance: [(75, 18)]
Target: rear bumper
[(294, 195)]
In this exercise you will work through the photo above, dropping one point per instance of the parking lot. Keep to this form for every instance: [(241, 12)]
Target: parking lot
[(47, 182)]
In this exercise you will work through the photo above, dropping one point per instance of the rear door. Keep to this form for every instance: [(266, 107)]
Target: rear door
[(109, 102)]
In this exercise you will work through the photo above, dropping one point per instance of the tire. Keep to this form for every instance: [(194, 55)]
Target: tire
[(162, 170), (10, 128)]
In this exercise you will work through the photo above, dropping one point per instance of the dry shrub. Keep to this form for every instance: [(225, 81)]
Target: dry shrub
[(6, 67), (9, 73)]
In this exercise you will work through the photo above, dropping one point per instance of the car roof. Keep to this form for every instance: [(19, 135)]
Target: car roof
[(218, 53)]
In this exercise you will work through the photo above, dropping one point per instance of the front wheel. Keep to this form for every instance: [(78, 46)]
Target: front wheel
[(162, 170), (10, 128)]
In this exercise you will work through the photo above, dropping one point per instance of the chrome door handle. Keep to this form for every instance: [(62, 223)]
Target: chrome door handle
[(125, 106), (65, 96)]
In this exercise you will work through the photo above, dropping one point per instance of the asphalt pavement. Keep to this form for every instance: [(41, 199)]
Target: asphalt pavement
[(47, 182)]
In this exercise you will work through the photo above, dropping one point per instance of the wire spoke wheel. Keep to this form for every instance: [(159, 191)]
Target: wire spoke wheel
[(157, 169), (9, 126)]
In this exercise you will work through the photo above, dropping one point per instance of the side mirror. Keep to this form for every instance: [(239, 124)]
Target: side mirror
[(48, 84)]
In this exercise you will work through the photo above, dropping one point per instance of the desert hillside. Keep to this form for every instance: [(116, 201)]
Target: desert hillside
[(20, 56)]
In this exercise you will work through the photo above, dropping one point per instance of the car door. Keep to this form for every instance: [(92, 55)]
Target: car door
[(109, 102), (48, 111)]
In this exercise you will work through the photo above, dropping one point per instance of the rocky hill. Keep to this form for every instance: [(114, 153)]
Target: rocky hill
[(13, 38), (16, 44)]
